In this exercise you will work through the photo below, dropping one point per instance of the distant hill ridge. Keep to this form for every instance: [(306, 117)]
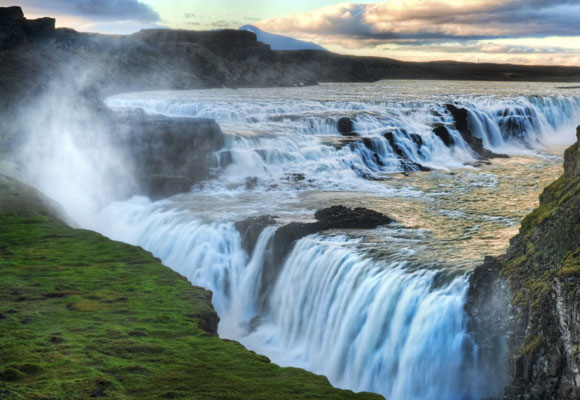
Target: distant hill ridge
[(34, 54)]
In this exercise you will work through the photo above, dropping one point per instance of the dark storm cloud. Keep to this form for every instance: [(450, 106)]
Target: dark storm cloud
[(110, 10)]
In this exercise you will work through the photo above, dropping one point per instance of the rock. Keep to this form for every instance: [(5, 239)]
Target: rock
[(491, 316), (297, 177), (39, 28), (251, 183), (461, 119), (251, 228), (442, 133), (515, 122), (341, 217), (412, 166), (460, 116), (417, 139), (335, 217), (11, 27), (572, 158), (16, 30), (169, 154), (529, 296), (396, 148), (407, 165), (346, 127)]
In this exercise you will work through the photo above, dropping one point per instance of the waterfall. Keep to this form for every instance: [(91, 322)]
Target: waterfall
[(377, 326), (273, 139), (386, 325), (369, 312)]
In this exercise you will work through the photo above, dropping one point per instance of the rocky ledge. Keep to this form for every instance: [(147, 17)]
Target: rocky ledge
[(335, 217), (170, 154), (524, 306)]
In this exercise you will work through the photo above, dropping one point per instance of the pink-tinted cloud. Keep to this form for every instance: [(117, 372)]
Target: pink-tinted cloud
[(441, 29), (435, 19)]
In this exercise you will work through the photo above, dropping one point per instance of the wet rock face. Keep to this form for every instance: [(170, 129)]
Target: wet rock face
[(251, 228), (461, 120), (572, 158), (169, 155), (490, 322), (346, 127), (336, 217), (530, 296), (442, 133)]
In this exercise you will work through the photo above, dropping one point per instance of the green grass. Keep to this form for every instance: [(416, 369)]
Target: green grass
[(83, 317)]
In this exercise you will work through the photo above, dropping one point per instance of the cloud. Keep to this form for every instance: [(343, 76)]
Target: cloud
[(435, 19), (422, 30), (102, 10)]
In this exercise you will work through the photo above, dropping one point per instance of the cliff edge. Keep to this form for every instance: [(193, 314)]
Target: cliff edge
[(525, 305), (83, 317)]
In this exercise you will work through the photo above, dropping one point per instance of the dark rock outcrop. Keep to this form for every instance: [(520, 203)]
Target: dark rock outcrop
[(461, 119), (251, 228), (16, 30), (417, 139), (336, 217), (406, 164), (442, 133), (170, 155), (396, 148), (346, 127), (515, 122), (490, 323), (530, 295), (572, 158)]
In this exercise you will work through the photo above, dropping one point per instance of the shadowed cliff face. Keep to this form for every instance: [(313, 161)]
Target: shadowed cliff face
[(524, 306), (170, 155)]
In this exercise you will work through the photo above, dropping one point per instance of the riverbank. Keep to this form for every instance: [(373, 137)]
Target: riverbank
[(82, 316)]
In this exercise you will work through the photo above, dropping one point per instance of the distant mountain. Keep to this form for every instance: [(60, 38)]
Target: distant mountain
[(281, 42)]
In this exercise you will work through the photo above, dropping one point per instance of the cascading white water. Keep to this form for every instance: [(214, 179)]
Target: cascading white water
[(385, 326), (369, 325), (381, 313), (272, 138)]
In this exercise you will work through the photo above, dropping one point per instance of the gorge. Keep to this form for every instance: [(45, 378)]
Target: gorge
[(352, 228)]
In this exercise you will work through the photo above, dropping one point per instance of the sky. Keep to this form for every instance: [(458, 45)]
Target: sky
[(514, 31)]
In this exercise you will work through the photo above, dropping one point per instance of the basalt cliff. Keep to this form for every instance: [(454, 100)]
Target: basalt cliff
[(525, 305)]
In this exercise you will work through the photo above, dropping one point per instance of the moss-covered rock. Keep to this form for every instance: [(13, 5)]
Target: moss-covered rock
[(541, 272)]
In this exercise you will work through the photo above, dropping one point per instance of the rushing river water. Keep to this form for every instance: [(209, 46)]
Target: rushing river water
[(378, 310)]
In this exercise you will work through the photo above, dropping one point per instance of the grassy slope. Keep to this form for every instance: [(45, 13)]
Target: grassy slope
[(82, 316)]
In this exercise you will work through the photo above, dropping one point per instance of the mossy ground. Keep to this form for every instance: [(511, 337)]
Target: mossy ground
[(82, 317)]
